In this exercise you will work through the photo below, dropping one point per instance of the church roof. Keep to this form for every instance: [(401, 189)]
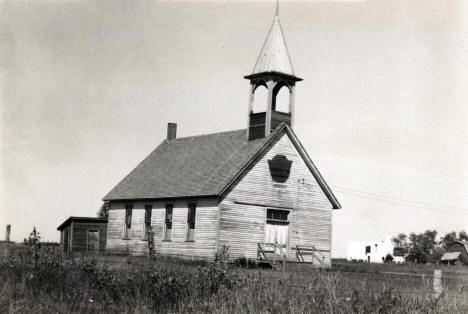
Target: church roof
[(201, 166), (190, 166), (274, 56)]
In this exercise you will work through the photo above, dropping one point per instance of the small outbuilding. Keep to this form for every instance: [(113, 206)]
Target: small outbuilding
[(83, 234), (456, 252)]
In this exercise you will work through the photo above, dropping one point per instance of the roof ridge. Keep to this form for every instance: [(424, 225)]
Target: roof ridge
[(206, 134)]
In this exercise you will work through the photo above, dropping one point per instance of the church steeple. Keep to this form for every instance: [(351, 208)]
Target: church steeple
[(274, 71)]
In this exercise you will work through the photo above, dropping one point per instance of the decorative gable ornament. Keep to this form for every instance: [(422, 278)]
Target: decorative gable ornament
[(280, 167)]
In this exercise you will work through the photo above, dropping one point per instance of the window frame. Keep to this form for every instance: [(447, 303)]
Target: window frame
[(128, 220), (368, 249), (191, 222), (278, 219), (168, 220), (147, 221)]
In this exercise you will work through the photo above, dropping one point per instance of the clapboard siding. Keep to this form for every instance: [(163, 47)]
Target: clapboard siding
[(242, 225), (204, 246), (241, 228), (62, 238), (134, 245)]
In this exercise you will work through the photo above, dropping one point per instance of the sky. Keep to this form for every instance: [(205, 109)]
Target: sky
[(87, 89)]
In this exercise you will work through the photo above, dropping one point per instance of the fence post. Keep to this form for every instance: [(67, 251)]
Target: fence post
[(7, 236), (150, 236), (437, 288), (274, 253)]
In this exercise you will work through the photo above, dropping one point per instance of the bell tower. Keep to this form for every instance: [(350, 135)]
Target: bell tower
[(274, 71)]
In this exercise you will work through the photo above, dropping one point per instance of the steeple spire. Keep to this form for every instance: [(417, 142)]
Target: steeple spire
[(274, 56)]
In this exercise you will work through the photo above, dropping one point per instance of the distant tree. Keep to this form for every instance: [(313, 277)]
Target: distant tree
[(103, 212), (401, 245), (447, 239), (462, 236), (450, 237), (422, 245)]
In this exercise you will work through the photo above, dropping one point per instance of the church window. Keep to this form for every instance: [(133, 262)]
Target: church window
[(128, 220), (191, 222), (168, 222), (147, 222)]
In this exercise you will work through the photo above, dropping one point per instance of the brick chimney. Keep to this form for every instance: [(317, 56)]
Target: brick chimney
[(171, 131)]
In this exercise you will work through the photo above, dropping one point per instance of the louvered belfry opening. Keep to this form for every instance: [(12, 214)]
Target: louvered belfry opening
[(274, 71), (261, 124)]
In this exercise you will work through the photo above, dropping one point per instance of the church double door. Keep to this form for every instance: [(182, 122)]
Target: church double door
[(277, 231)]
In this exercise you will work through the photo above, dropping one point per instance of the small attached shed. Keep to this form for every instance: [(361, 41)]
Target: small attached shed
[(83, 234)]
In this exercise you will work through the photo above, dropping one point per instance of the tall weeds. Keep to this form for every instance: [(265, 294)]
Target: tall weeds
[(57, 283)]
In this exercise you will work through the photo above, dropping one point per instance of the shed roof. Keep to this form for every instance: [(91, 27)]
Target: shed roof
[(450, 256), (80, 219), (201, 166)]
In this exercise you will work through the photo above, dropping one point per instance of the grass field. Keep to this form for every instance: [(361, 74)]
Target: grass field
[(60, 284)]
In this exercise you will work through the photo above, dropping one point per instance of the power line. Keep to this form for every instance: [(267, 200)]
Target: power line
[(396, 201), (399, 199)]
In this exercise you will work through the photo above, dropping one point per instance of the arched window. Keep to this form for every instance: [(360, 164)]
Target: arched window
[(260, 98), (281, 94)]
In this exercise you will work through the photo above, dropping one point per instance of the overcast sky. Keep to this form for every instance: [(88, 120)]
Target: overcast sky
[(87, 89)]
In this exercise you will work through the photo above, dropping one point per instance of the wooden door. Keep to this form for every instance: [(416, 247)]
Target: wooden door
[(93, 240), (278, 233), (277, 230)]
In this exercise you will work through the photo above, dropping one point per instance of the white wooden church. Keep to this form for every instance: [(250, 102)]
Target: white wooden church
[(255, 190)]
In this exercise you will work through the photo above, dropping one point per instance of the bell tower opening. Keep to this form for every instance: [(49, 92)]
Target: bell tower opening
[(281, 98), (272, 83), (260, 97)]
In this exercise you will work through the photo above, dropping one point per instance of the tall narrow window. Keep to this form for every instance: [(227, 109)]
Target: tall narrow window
[(367, 249), (191, 222), (168, 223), (147, 223), (128, 220)]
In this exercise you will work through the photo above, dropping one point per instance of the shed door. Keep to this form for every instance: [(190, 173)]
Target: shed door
[(93, 240)]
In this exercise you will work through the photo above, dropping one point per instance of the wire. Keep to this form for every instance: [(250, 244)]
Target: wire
[(397, 201)]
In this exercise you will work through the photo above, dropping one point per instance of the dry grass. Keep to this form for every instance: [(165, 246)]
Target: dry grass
[(59, 284)]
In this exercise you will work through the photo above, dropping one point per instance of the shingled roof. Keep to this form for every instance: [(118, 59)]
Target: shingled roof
[(203, 165), (190, 166)]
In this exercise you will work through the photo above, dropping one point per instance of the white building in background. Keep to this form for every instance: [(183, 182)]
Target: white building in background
[(369, 251)]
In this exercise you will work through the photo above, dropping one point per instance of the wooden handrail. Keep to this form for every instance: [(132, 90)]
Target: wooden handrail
[(301, 251), (273, 244), (262, 250)]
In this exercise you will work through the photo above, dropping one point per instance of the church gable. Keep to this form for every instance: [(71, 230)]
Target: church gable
[(280, 177), (277, 185)]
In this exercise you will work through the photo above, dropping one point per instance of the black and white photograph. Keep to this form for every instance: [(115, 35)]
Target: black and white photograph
[(228, 156)]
